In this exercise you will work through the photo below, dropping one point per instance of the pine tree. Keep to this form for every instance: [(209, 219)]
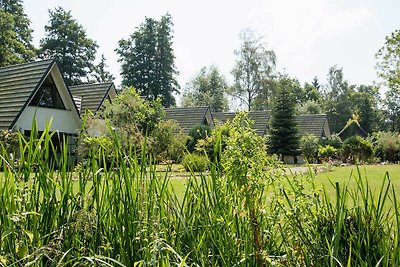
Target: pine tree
[(284, 139), (15, 34), (66, 40), (147, 60), (101, 74)]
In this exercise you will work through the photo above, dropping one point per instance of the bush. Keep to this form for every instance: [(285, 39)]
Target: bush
[(195, 163), (356, 149), (9, 141), (309, 144), (387, 146), (335, 141), (326, 152), (199, 132), (168, 141)]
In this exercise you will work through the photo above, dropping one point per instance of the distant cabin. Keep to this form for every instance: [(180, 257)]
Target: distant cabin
[(92, 96), (189, 117), (352, 128), (37, 90), (260, 119), (316, 124)]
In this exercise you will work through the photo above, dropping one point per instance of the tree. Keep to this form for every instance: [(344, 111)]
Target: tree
[(66, 41), (147, 60), (389, 59), (338, 103), (208, 88), (388, 69), (101, 74), (284, 139), (365, 101), (253, 69), (15, 34)]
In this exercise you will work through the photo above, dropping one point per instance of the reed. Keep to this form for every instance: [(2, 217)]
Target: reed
[(120, 212)]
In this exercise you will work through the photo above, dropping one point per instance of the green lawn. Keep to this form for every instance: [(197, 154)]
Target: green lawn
[(374, 174), (344, 175)]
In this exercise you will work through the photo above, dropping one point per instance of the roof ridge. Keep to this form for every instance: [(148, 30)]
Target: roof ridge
[(90, 84), (33, 62)]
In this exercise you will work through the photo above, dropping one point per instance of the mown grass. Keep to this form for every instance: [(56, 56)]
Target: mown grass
[(122, 212)]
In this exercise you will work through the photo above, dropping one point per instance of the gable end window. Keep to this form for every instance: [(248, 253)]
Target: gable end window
[(47, 96)]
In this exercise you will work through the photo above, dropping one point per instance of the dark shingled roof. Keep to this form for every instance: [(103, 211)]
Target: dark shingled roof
[(93, 95), (260, 119), (188, 117), (18, 84), (311, 124)]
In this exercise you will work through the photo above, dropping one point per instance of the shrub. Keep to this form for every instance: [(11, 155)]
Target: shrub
[(199, 132), (9, 141), (168, 141), (356, 149), (309, 144), (387, 146), (335, 141), (326, 152), (195, 163)]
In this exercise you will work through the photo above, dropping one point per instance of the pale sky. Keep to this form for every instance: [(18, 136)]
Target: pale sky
[(308, 36)]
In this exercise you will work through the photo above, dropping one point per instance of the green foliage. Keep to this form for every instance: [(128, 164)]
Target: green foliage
[(195, 163), (66, 41), (338, 103), (9, 141), (147, 60), (199, 132), (209, 89), (326, 152), (388, 60), (365, 101), (126, 214), (254, 67), (168, 141), (309, 145), (128, 108), (283, 131), (15, 34), (101, 73), (356, 149), (387, 146)]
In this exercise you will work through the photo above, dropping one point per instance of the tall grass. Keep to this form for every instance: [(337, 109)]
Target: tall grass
[(120, 212)]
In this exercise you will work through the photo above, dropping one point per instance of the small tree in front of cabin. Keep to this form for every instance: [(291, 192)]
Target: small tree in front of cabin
[(137, 122), (284, 140), (309, 145)]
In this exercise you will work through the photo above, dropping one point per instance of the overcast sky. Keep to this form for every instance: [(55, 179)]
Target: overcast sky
[(308, 36)]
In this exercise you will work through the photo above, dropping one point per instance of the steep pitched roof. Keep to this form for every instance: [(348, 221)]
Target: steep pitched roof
[(352, 128), (190, 117), (260, 119), (92, 95), (18, 84), (313, 124)]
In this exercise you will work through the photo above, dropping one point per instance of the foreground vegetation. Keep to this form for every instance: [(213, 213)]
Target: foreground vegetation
[(240, 214)]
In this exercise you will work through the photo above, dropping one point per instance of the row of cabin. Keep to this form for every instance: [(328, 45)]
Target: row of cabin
[(37, 90)]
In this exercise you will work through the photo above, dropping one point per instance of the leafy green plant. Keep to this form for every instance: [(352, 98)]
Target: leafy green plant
[(168, 141), (309, 145), (195, 162), (199, 132), (326, 152), (356, 149)]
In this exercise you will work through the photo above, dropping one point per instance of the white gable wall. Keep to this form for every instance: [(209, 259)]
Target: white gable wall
[(65, 121)]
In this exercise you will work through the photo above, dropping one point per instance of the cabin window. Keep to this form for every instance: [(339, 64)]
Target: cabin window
[(48, 96)]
